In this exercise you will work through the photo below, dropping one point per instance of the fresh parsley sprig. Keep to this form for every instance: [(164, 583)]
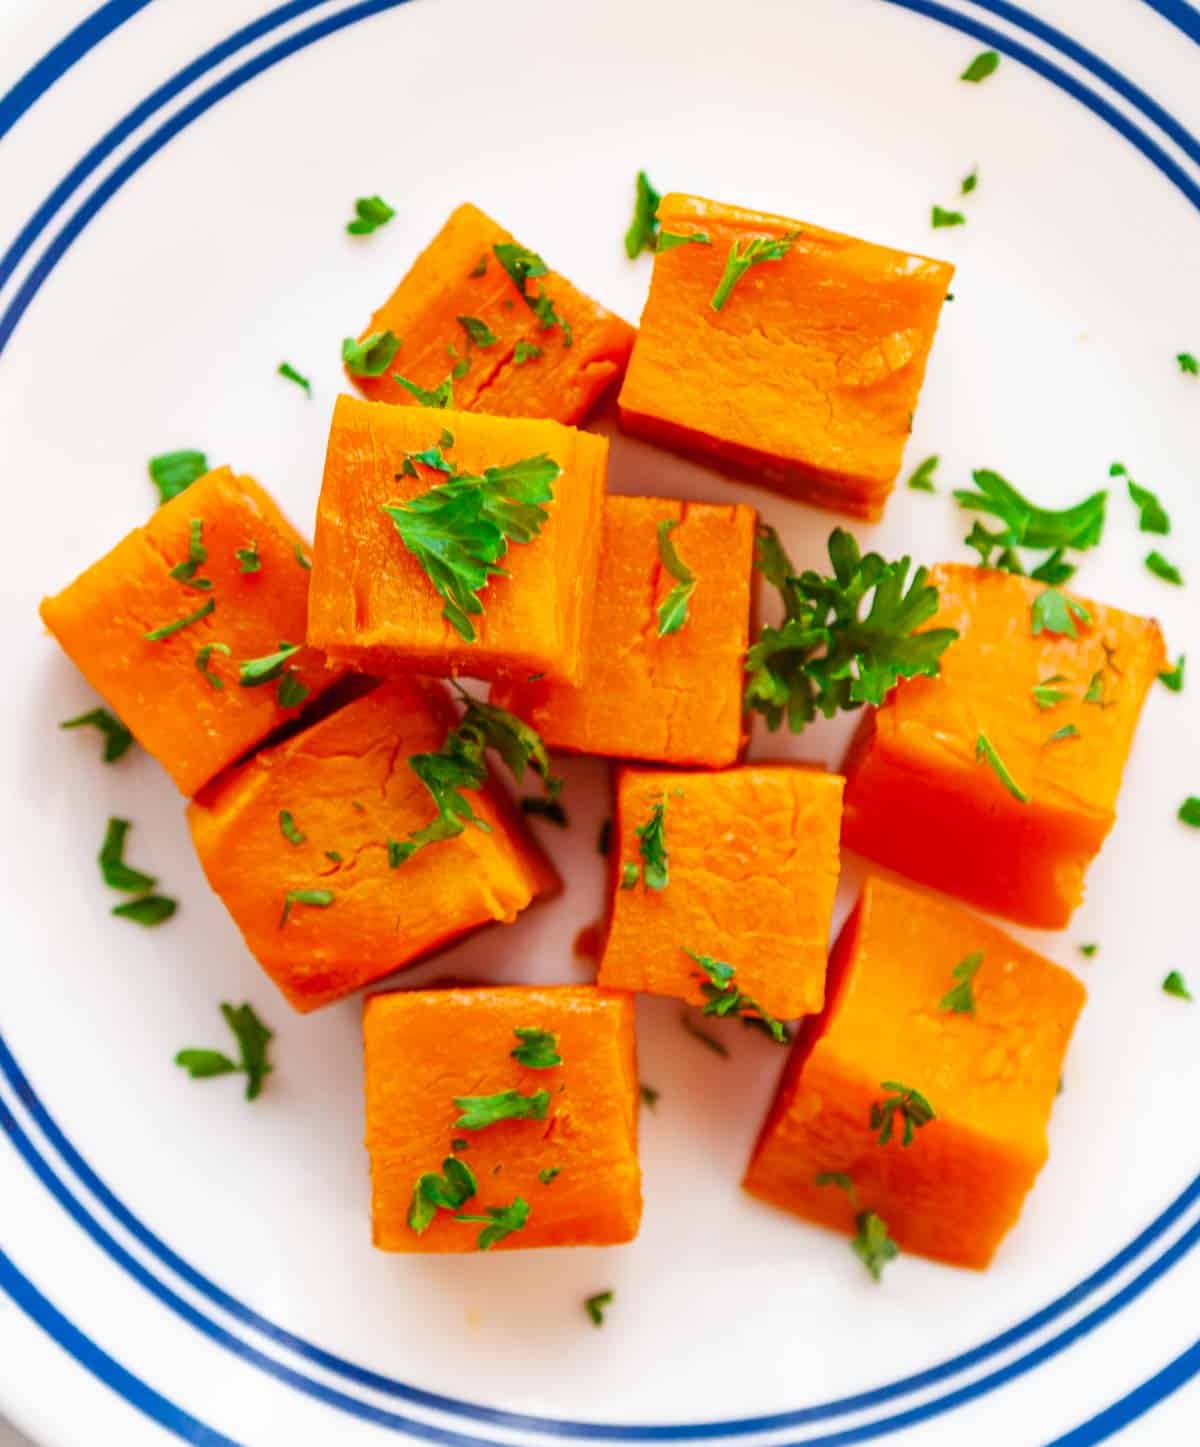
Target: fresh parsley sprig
[(746, 252), (1025, 525), (253, 1038), (1152, 516)]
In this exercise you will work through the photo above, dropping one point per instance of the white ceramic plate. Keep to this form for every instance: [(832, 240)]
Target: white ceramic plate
[(175, 1261)]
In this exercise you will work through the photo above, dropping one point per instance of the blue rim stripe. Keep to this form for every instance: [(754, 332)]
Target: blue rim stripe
[(104, 1368), (1180, 14), (550, 1426), (1134, 1404), (71, 49)]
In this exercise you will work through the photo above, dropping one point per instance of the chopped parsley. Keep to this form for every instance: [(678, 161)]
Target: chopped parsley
[(117, 738), (981, 67), (148, 911), (185, 572), (960, 998), (673, 610), (1188, 364), (520, 263), (481, 1111), (526, 352), (289, 828), (302, 557), (629, 875), (395, 854), (872, 1244), (835, 1178), (203, 654), (644, 227), (1054, 612), (1025, 525), (433, 1193), (173, 472), (286, 370), (538, 1048), (501, 1221), (1189, 811), (548, 1173), (1159, 566), (1171, 678), (440, 396), (333, 856), (940, 217), (372, 356), (479, 334), (370, 213), (970, 181), (652, 846), (909, 1104), (921, 477), (1046, 694), (722, 996), (254, 672), (710, 1042), (543, 308), (549, 809), (824, 657), (248, 559), (595, 1305), (291, 692), (1152, 516), (985, 752), (459, 530), (167, 630), (1174, 984), (669, 240), (1095, 689), (743, 254), (1088, 951), (252, 1037), (313, 898), (113, 869), (649, 1095), (480, 267), (1068, 731)]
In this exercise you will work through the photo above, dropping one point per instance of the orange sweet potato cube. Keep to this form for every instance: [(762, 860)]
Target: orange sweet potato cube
[(752, 868), (160, 625), (1058, 713), (299, 844), (459, 310), (374, 605), (555, 1158), (675, 699), (989, 1070), (806, 377)]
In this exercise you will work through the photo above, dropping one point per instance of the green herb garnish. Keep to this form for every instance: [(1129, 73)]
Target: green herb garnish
[(644, 226), (548, 809), (289, 829), (629, 876), (981, 67), (156, 635), (372, 356), (481, 1111), (649, 1095), (370, 213), (538, 1048), (1068, 731), (172, 472), (1188, 364), (526, 352), (113, 869), (652, 846), (1159, 566), (960, 998), (722, 996), (1171, 678), (302, 557), (1046, 695), (921, 478), (148, 911), (939, 217), (1088, 951), (1027, 526), (285, 369), (835, 1178), (520, 263), (872, 1244), (314, 898), (254, 672), (248, 559), (1152, 516), (117, 737), (673, 610), (1189, 811), (669, 240), (203, 654), (909, 1104), (440, 396), (718, 1047), (252, 1037), (433, 1193), (1174, 984), (743, 254), (594, 1305), (970, 181), (292, 691), (548, 1173), (1054, 612), (501, 1221), (478, 333), (185, 572), (985, 752)]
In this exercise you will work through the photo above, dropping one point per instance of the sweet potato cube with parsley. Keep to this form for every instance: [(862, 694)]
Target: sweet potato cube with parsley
[(448, 543), (192, 627), (782, 352), (663, 677), (502, 1118), (997, 781), (309, 846), (481, 317), (722, 885), (923, 1091)]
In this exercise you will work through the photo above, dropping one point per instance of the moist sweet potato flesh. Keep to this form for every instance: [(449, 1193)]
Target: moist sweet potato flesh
[(192, 728), (917, 799), (807, 378), (991, 1079), (423, 1048), (347, 784), (563, 383), (372, 604), (753, 868), (674, 700)]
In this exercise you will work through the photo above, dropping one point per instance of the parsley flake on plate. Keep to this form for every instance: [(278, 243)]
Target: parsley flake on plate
[(940, 217), (1088, 951), (1152, 516), (113, 869), (173, 472), (248, 559), (1188, 364), (312, 898), (168, 630), (370, 213), (1189, 811), (1174, 984), (673, 610), (643, 229), (981, 67), (287, 371), (150, 910), (835, 1178), (1025, 525), (117, 738), (970, 181), (185, 572), (746, 252), (1159, 566), (595, 1306), (1054, 612), (1068, 731), (872, 1244), (1171, 678), (1046, 694), (669, 240), (526, 352), (921, 477), (288, 827), (253, 1038), (479, 334), (548, 1174), (203, 654)]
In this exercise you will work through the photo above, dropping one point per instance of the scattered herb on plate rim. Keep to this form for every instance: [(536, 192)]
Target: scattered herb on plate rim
[(939, 217), (1189, 811), (921, 477), (872, 1244), (1025, 525), (174, 472), (983, 65), (595, 1306), (287, 371), (1152, 516), (1172, 678), (117, 738), (1088, 951), (1188, 363), (1161, 568), (643, 229), (253, 1038), (1174, 984), (370, 213)]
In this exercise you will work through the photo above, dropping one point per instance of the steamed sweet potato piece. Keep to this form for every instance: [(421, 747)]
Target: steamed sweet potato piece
[(192, 725), (918, 798), (990, 1077), (807, 377), (347, 790), (529, 370), (675, 699), (752, 871), (424, 1048), (373, 605)]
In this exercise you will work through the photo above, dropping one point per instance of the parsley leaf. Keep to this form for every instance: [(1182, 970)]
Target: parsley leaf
[(718, 1047), (172, 472), (543, 308), (911, 1106), (649, 1095), (538, 1048), (921, 478), (743, 254), (520, 263), (1174, 984), (872, 1244), (981, 67), (548, 1173), (825, 658), (291, 692), (254, 672), (1152, 516), (203, 654), (835, 1178), (1054, 612), (652, 846), (970, 181), (481, 1111), (479, 333), (673, 610), (285, 369), (960, 998), (117, 737), (156, 635), (629, 875), (252, 1037), (370, 213), (1188, 364), (985, 752), (289, 828), (185, 572), (372, 356), (669, 240), (115, 872), (447, 1192), (1025, 525), (644, 226), (314, 898), (480, 267), (248, 559), (1159, 566), (526, 352), (441, 396), (1189, 811), (148, 911), (1046, 695), (939, 217), (1171, 678), (1068, 731), (502, 1222), (301, 557), (722, 996), (459, 530), (1087, 951), (594, 1305)]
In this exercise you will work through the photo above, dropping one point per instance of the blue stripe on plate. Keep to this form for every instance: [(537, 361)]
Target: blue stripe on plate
[(1180, 14), (1135, 1404)]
